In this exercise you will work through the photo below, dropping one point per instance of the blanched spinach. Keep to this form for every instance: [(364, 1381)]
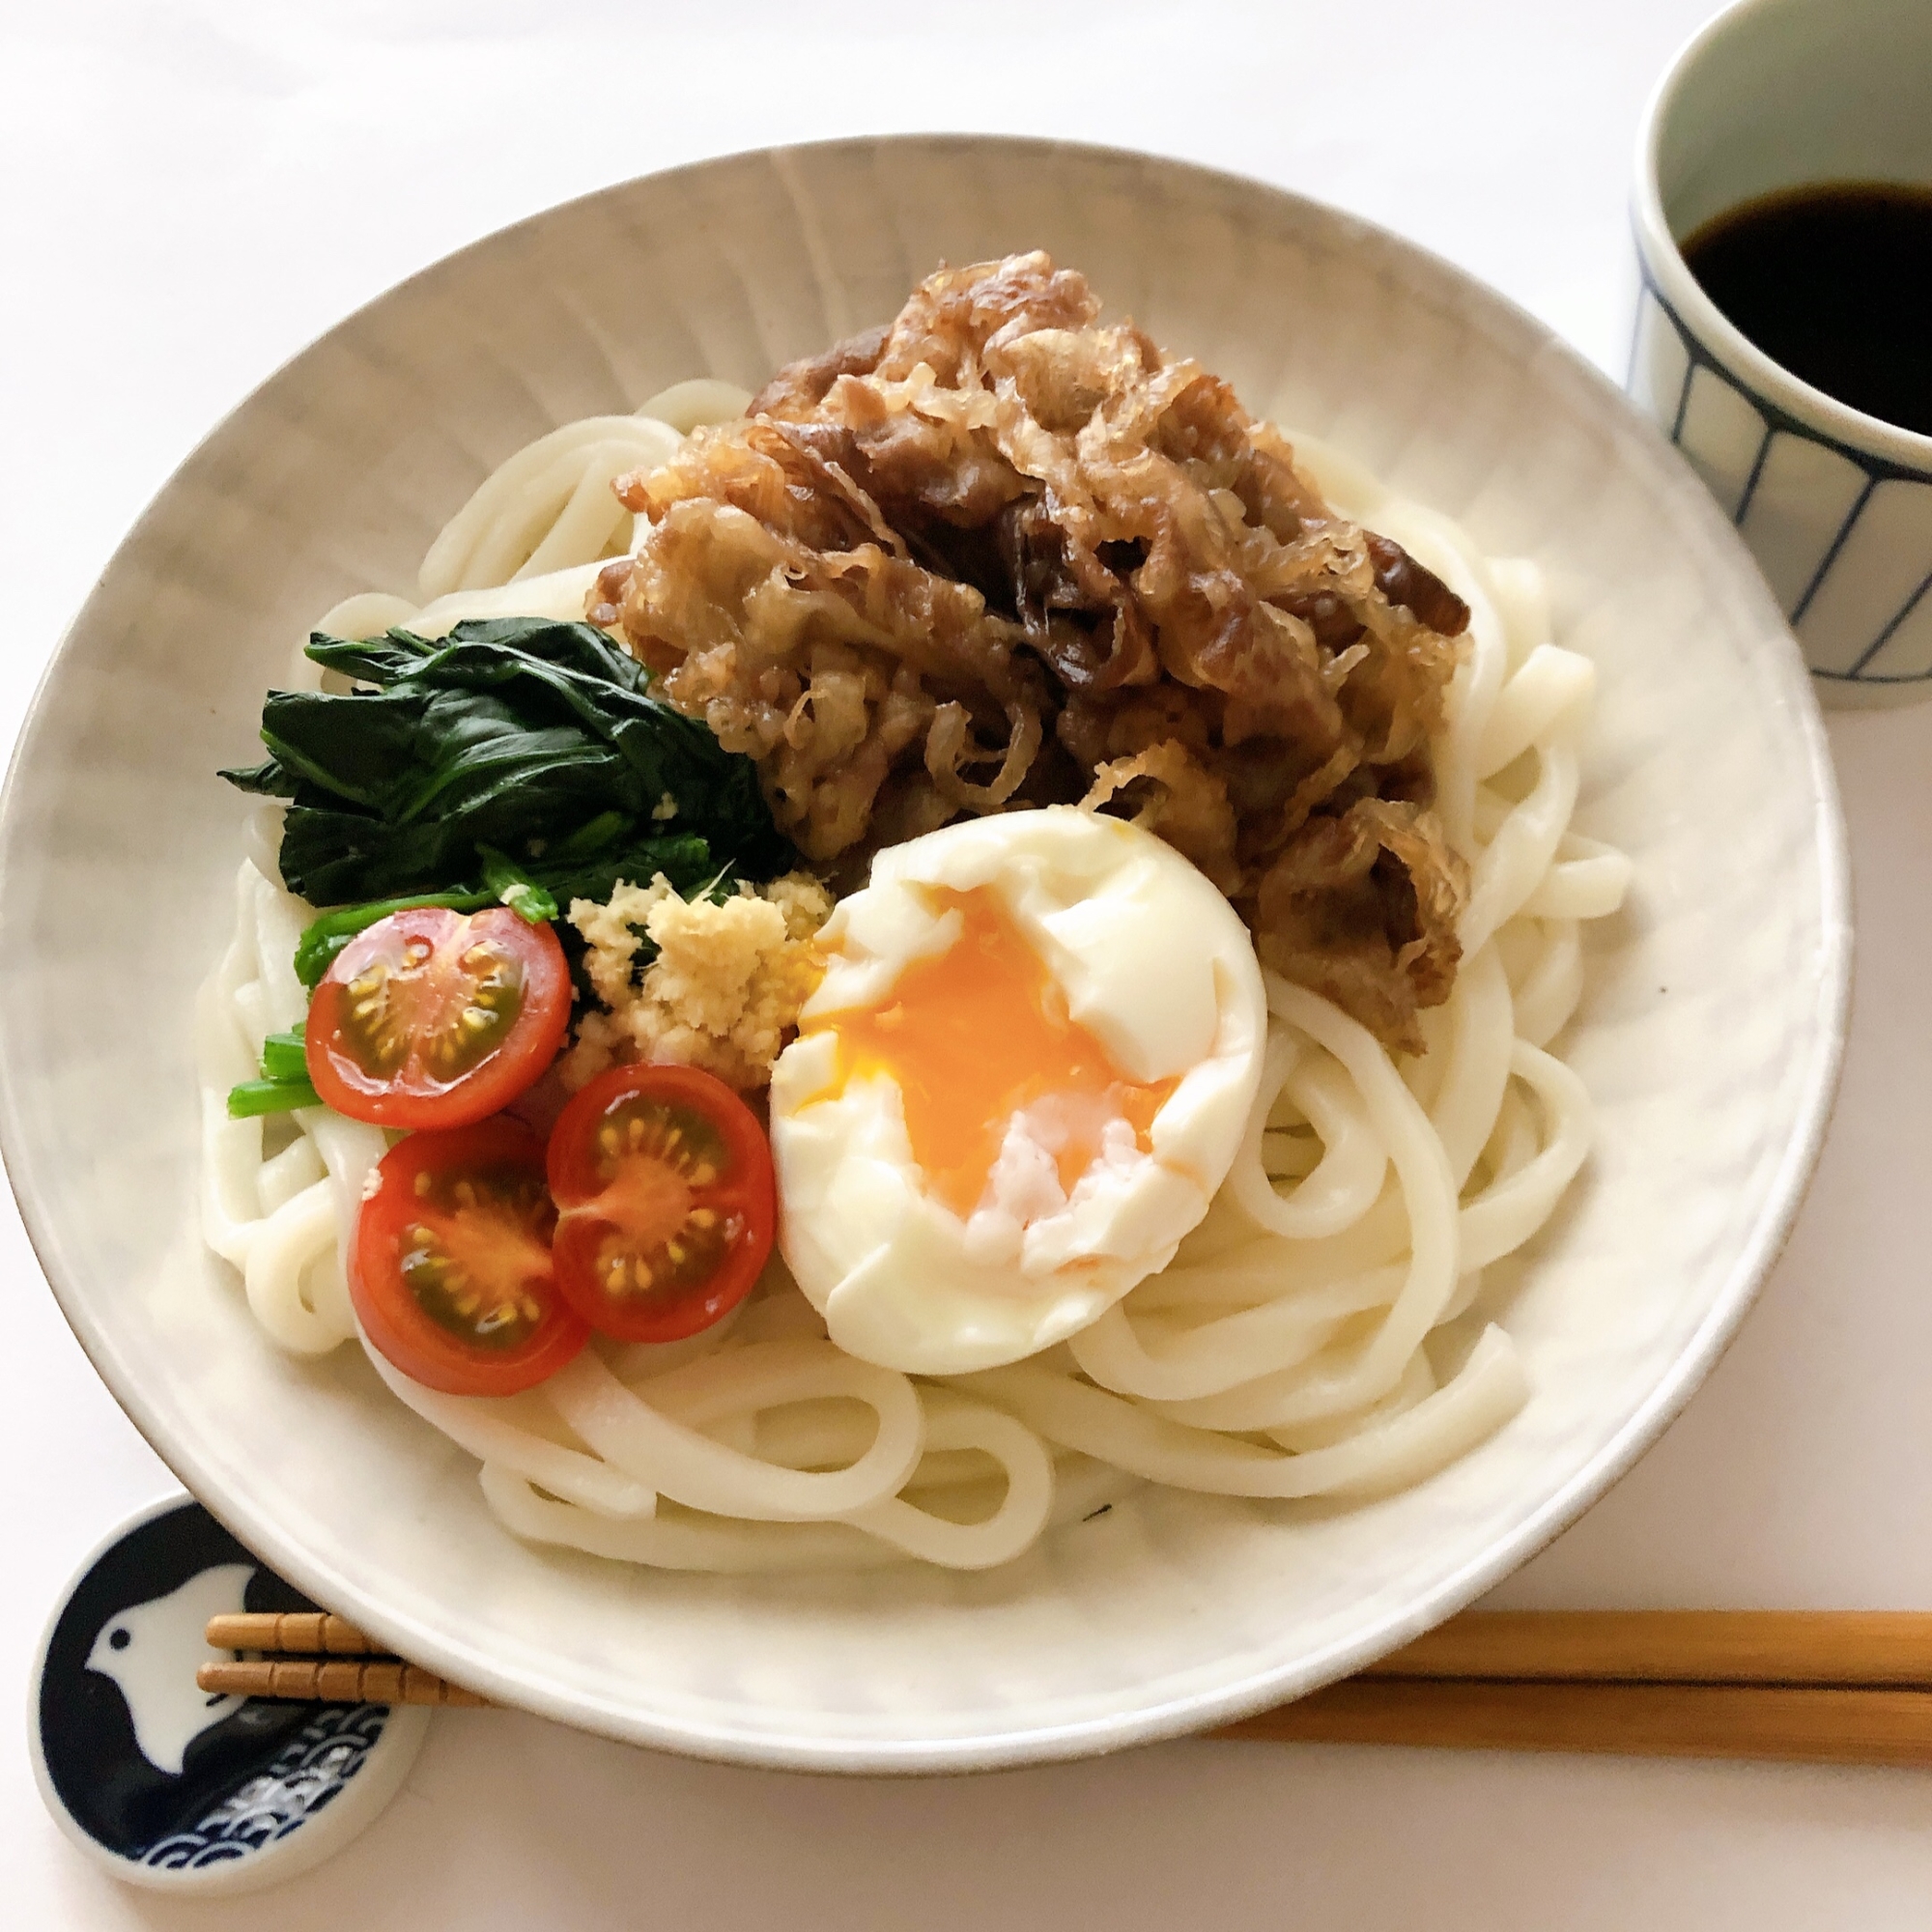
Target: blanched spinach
[(514, 749)]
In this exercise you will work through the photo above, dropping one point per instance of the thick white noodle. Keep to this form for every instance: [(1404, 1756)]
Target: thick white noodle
[(285, 1240), (548, 505), (489, 1430), (1548, 995), (1477, 1052), (560, 595), (1312, 1310), (1553, 688), (954, 1425), (1501, 1218), (1387, 1454), (287, 1249), (1342, 1185), (1429, 1191), (1512, 865), (696, 402), (367, 614), (642, 1435), (669, 1542), (1418, 1381)]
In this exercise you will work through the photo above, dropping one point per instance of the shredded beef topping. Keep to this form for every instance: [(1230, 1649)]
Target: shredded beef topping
[(998, 553)]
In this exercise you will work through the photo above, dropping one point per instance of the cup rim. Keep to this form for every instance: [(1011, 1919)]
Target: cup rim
[(1776, 389)]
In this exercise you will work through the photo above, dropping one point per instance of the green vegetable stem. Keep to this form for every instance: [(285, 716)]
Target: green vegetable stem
[(321, 941), (503, 884), (284, 1083), (508, 882), (284, 1057)]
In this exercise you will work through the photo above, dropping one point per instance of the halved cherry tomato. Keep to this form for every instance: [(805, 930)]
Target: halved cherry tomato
[(452, 1275), (433, 1019), (665, 1202)]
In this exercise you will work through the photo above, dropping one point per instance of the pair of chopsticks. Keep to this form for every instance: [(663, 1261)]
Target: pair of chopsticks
[(312, 1657), (1816, 1687), (1820, 1686)]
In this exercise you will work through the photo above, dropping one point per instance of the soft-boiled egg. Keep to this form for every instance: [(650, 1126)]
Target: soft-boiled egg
[(1022, 1078)]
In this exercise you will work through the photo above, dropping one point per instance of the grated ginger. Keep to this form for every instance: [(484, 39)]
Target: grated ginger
[(724, 991)]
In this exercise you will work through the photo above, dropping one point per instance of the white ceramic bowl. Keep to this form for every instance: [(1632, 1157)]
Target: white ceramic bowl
[(1709, 1032)]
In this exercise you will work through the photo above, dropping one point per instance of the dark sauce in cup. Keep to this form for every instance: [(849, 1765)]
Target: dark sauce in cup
[(1834, 283)]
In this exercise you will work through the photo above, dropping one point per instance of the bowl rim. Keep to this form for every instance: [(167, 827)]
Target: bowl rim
[(1173, 1717)]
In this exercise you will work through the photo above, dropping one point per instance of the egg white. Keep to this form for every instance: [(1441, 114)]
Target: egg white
[(1152, 960)]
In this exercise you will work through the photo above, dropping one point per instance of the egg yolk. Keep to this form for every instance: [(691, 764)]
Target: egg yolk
[(980, 1034)]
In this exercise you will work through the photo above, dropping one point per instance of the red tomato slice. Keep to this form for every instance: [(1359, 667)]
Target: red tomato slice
[(452, 1277), (665, 1202), (433, 1019)]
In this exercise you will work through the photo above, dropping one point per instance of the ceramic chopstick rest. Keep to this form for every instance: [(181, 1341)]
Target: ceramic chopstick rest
[(168, 1786)]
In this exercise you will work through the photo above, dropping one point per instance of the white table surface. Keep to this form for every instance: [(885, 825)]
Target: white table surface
[(193, 191)]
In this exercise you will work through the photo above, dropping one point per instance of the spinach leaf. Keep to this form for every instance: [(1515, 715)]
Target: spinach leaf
[(514, 753)]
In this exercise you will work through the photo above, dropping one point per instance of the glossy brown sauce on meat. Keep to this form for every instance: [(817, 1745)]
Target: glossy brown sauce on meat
[(999, 554)]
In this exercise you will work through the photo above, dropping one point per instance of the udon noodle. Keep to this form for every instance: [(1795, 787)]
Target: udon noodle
[(1315, 1336)]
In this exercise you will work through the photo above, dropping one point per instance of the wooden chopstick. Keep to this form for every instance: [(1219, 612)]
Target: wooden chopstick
[(378, 1681), (309, 1635), (1821, 1687), (301, 1632), (1731, 1721), (1669, 1646), (1818, 1687), (1811, 1647)]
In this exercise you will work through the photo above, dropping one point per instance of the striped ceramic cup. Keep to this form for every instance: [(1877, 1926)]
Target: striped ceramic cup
[(1835, 505)]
